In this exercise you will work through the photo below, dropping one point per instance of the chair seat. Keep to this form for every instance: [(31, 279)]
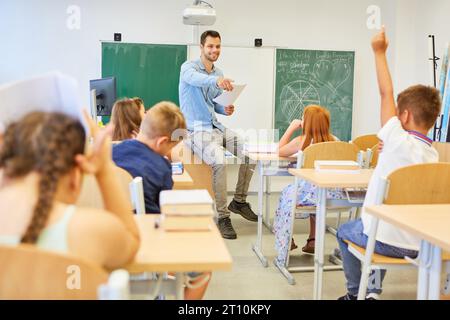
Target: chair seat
[(380, 259)]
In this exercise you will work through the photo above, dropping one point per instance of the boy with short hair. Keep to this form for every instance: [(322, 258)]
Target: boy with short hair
[(145, 156), (404, 135)]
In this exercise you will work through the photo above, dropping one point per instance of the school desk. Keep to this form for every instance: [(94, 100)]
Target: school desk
[(325, 181), (268, 165), (178, 252), (430, 223), (182, 181)]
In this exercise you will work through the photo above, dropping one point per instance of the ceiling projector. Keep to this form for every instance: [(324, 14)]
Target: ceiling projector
[(200, 14)]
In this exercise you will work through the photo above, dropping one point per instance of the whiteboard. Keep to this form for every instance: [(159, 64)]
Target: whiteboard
[(254, 67)]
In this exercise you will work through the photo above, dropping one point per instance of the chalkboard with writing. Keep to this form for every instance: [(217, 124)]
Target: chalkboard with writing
[(306, 77)]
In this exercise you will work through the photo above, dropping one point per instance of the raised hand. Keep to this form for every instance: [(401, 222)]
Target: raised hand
[(98, 154), (379, 42)]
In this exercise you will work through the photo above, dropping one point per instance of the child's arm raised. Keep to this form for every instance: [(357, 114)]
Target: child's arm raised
[(379, 46)]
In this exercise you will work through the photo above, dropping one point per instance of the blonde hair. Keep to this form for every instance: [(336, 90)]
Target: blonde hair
[(316, 125), (162, 120)]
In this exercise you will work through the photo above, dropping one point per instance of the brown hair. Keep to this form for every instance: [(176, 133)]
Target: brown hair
[(139, 101), (423, 102), (316, 125), (209, 33), (46, 143), (162, 120), (126, 119)]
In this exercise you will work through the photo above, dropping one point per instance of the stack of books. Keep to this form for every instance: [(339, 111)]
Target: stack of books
[(339, 166), (186, 210)]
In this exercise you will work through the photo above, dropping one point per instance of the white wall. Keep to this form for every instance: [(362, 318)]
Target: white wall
[(432, 18), (35, 38)]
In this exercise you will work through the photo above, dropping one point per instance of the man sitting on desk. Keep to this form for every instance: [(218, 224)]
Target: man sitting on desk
[(200, 83)]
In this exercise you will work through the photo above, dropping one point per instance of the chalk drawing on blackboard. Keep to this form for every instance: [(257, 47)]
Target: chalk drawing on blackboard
[(295, 96), (331, 74)]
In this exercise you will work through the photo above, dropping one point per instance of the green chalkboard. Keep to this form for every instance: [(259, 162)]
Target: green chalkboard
[(305, 77), (149, 71)]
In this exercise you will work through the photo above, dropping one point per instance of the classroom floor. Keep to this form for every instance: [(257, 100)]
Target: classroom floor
[(250, 280)]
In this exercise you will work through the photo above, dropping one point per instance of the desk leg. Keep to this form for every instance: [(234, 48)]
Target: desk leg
[(179, 279), (424, 261), (435, 274), (267, 205), (320, 242), (257, 248)]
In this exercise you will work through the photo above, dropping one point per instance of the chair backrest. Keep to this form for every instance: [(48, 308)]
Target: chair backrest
[(366, 142), (374, 156), (334, 150), (444, 151), (137, 195), (419, 184), (27, 272), (91, 196)]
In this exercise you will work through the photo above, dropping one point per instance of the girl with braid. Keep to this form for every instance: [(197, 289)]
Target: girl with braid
[(42, 162)]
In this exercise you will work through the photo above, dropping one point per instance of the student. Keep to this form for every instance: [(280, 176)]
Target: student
[(145, 156), (404, 135), (315, 126), (126, 116), (42, 163)]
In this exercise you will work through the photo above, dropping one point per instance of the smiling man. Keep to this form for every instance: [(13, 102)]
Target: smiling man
[(200, 83)]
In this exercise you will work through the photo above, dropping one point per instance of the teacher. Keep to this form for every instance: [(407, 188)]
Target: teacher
[(201, 82)]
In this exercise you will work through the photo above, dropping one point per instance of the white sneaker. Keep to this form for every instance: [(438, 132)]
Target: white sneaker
[(373, 296)]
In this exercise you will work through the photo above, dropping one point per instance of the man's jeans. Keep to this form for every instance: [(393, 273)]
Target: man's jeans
[(353, 231), (210, 147)]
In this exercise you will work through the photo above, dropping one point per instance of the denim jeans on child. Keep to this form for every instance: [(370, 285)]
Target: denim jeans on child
[(353, 231)]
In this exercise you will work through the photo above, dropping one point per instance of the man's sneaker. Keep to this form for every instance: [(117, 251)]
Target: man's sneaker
[(244, 209), (373, 296), (370, 296), (348, 297), (226, 228)]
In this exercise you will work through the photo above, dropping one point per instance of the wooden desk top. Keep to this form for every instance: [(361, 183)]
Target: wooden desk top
[(162, 251), (269, 157), (428, 222), (182, 180), (334, 180)]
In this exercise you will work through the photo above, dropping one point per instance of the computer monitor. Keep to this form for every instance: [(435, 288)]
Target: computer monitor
[(104, 96)]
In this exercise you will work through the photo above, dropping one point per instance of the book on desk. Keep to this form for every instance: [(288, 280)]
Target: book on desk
[(186, 210)]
